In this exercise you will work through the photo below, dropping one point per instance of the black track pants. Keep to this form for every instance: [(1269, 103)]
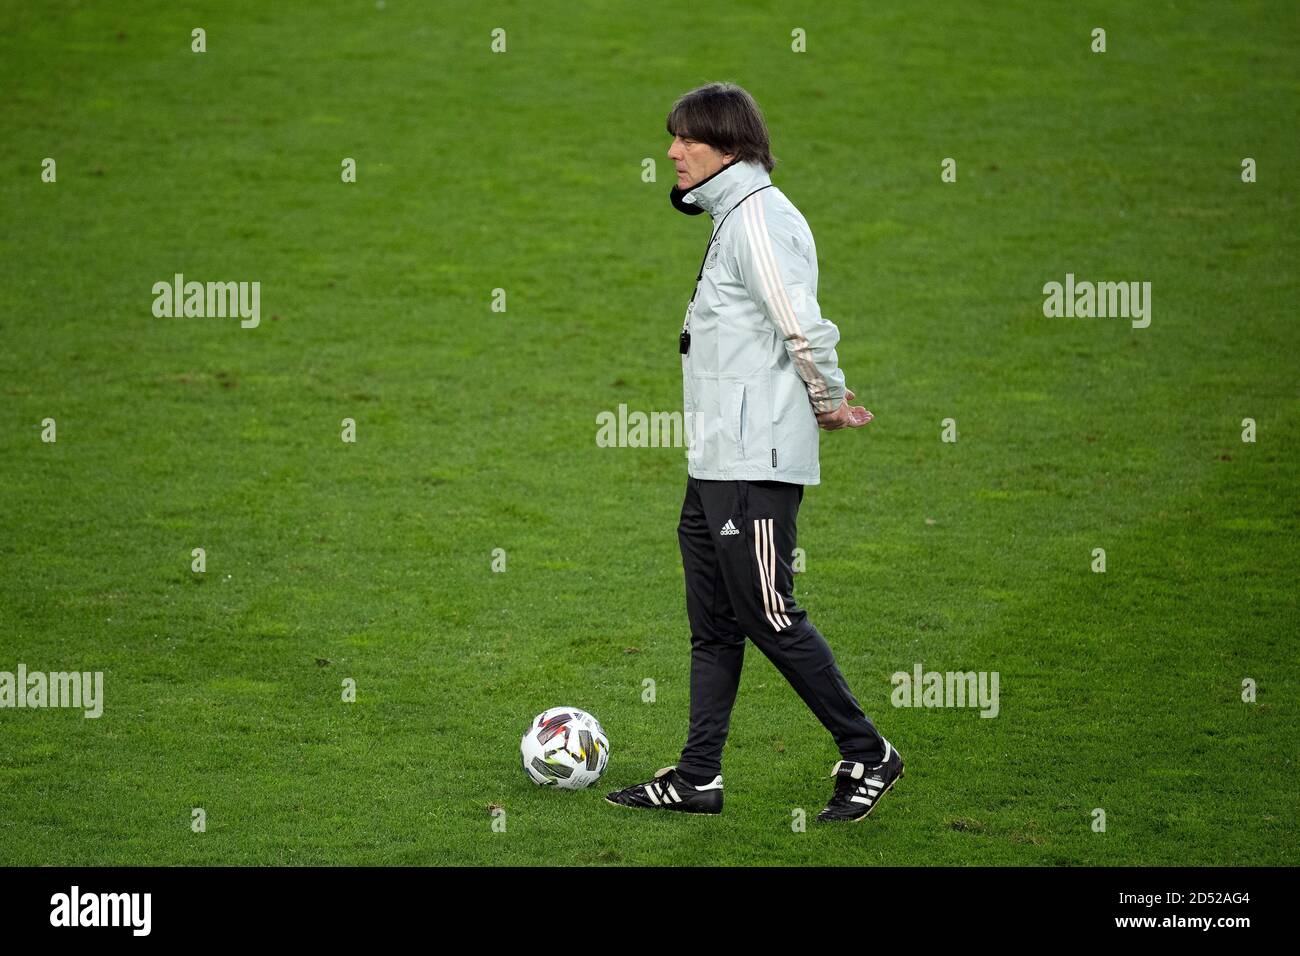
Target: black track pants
[(737, 538)]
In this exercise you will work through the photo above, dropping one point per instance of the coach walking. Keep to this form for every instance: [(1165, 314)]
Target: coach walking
[(760, 376)]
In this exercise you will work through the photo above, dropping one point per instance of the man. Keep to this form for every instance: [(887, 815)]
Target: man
[(760, 376)]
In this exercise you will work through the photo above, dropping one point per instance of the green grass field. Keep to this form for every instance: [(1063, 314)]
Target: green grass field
[(476, 429)]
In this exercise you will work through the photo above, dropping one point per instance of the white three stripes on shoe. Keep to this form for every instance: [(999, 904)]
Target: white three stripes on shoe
[(659, 794), (874, 792), (765, 553)]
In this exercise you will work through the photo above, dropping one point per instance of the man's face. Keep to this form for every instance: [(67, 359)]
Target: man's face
[(695, 160)]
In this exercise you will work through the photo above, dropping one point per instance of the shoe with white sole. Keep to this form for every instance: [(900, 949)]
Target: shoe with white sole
[(859, 788), (668, 791)]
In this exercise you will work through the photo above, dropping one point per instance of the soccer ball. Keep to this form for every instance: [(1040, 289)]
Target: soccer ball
[(564, 747)]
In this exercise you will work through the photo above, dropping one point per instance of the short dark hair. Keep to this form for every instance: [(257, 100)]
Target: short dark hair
[(724, 116)]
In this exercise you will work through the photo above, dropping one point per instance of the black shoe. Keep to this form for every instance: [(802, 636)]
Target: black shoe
[(668, 791), (858, 788)]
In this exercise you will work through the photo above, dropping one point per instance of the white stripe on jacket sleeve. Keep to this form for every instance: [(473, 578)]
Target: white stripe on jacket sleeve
[(765, 267)]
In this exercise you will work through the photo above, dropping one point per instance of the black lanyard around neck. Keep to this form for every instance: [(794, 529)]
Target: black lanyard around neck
[(684, 342)]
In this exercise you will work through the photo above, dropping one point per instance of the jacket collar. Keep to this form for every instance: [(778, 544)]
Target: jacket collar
[(721, 191)]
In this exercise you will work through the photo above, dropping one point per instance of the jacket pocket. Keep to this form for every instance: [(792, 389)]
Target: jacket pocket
[(756, 424), (736, 417)]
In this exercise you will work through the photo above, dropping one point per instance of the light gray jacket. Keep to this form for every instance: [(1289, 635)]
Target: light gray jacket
[(762, 357)]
